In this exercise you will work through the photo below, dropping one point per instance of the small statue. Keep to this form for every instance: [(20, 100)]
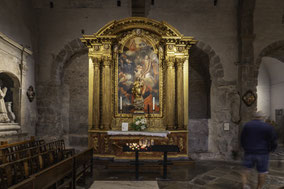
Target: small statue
[(10, 113), (137, 88), (3, 111), (137, 93)]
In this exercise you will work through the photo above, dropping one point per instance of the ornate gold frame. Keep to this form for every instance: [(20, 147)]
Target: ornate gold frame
[(154, 40), (172, 49)]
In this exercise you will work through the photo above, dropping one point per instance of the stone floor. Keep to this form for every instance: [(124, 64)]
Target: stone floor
[(186, 174)]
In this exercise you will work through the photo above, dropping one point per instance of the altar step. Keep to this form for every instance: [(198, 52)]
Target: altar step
[(147, 164)]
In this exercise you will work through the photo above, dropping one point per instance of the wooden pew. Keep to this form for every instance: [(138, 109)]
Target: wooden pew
[(37, 149), (26, 184), (45, 156), (82, 162), (16, 147), (57, 176), (5, 144), (62, 174)]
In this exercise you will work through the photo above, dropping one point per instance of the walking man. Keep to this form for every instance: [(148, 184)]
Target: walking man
[(258, 139)]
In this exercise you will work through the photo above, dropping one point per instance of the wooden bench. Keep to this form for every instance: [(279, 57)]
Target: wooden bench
[(83, 162), (63, 174), (41, 157), (37, 149), (6, 144), (58, 176), (16, 147)]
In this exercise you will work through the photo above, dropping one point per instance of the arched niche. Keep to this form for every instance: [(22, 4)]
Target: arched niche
[(12, 98)]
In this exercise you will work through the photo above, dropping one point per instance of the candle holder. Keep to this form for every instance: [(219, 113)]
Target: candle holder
[(142, 144)]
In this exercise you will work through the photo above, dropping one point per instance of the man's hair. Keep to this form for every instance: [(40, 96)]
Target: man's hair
[(258, 115)]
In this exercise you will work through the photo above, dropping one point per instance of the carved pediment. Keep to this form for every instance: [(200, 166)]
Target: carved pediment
[(113, 29)]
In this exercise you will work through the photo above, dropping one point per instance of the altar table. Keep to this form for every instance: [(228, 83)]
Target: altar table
[(154, 148)]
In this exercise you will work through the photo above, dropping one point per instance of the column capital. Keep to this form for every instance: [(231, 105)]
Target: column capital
[(96, 61), (107, 61), (180, 62), (170, 61)]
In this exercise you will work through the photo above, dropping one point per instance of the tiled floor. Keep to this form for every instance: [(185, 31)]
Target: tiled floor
[(185, 175)]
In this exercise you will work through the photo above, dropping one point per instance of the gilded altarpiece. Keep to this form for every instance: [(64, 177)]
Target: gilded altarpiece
[(123, 53)]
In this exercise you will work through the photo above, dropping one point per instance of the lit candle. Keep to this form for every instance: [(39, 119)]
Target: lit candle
[(120, 103), (153, 103)]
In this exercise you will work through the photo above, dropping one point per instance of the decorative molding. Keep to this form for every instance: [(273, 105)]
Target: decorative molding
[(15, 44)]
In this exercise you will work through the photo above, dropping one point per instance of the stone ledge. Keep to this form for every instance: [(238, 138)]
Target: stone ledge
[(5, 127)]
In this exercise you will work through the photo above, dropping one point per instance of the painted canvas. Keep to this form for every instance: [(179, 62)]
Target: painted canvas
[(138, 60)]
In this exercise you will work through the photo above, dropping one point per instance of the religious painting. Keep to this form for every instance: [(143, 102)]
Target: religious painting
[(138, 63)]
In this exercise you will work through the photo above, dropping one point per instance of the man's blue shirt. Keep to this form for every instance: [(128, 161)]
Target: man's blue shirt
[(258, 137)]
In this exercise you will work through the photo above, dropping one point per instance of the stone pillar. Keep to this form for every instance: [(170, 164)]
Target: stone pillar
[(96, 92), (179, 96), (106, 94), (170, 93)]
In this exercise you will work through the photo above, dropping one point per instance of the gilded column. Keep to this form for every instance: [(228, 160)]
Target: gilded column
[(185, 92), (106, 94), (96, 83), (170, 93), (91, 90), (179, 96)]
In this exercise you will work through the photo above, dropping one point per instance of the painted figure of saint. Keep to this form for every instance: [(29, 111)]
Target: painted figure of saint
[(3, 111)]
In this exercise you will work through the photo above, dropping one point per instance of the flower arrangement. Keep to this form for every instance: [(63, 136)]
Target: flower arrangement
[(139, 124)]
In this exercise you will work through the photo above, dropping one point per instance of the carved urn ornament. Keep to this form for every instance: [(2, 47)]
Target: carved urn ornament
[(31, 93)]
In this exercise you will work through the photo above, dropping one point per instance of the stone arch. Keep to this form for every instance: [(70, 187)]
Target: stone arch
[(268, 51), (61, 60), (208, 127), (215, 66), (49, 98)]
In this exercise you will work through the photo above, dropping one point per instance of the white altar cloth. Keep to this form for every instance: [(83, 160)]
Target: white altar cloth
[(143, 133)]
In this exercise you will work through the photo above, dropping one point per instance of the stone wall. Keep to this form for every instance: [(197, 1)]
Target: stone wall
[(197, 136), (75, 113), (263, 90), (216, 32), (213, 25), (199, 84), (60, 28), (16, 32), (268, 25)]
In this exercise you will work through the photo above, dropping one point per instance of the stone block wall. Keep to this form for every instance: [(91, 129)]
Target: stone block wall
[(76, 92), (268, 24), (17, 32), (60, 28)]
